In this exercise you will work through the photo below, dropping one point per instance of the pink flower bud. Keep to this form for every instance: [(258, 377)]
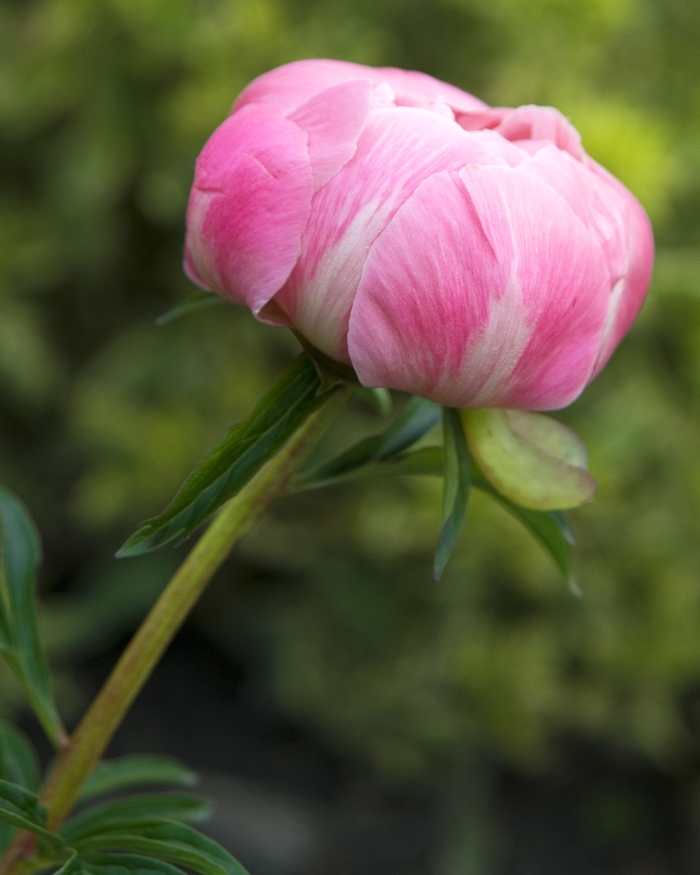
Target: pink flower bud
[(471, 255)]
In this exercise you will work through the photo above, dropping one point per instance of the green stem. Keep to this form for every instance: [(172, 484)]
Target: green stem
[(97, 727)]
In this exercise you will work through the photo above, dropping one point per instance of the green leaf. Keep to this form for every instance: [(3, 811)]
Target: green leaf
[(113, 814), (550, 528), (425, 461), (134, 770), (20, 555), (457, 474), (169, 841), (125, 864), (21, 808), (418, 417), (236, 459), (23, 800), (18, 765), (197, 301), (18, 761), (72, 866)]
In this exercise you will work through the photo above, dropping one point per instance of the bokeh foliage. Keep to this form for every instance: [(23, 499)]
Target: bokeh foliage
[(104, 105)]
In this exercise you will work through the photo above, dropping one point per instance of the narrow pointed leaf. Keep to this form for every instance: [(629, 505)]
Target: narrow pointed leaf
[(72, 866), (197, 301), (551, 528), (425, 461), (135, 770), (116, 813), (119, 864), (18, 765), (417, 419), (18, 761), (25, 801), (457, 474), (21, 808), (235, 460), (166, 840), (20, 555)]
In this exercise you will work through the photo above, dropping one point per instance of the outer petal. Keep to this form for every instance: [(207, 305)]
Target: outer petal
[(484, 290), (622, 227), (248, 207), (639, 237), (398, 148), (286, 88), (333, 121)]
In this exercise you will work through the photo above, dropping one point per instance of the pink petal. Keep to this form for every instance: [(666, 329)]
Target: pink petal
[(480, 119), (333, 120), (286, 88), (622, 227), (418, 89), (540, 123), (248, 207), (627, 300), (484, 290), (397, 149)]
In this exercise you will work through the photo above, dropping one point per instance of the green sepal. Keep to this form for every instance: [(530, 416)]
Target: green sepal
[(551, 528), (194, 302), (456, 487), (534, 460), (380, 398), (236, 458), (418, 417), (330, 372), (135, 770), (20, 555)]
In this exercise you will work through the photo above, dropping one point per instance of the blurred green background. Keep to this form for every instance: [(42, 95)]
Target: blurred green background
[(495, 685)]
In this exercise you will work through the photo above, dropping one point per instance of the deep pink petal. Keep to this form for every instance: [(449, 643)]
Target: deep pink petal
[(484, 290), (248, 207), (398, 148), (333, 120)]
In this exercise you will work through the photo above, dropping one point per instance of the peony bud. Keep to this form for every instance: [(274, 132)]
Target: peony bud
[(474, 256)]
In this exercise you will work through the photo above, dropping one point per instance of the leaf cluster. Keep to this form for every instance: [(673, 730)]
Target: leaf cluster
[(137, 833), (144, 833), (246, 447)]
